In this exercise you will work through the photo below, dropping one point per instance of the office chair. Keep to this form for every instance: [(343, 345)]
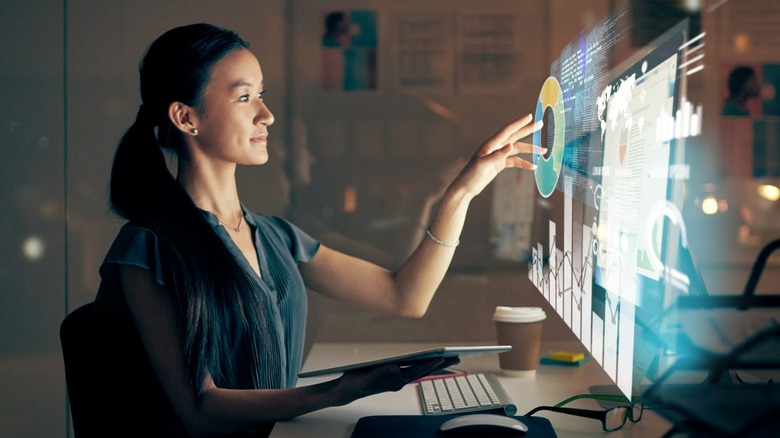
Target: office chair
[(112, 388), (110, 384)]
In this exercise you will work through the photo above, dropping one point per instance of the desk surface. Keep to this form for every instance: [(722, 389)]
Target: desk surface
[(550, 385)]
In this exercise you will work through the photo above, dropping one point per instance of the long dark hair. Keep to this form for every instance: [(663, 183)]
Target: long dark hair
[(215, 295)]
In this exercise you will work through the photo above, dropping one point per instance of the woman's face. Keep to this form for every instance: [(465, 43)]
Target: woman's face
[(752, 86), (233, 119)]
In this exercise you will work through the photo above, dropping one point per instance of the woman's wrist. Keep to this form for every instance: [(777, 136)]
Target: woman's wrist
[(456, 196), (440, 242), (446, 225), (327, 394)]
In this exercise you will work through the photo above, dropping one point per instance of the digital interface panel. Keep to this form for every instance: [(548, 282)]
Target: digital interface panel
[(615, 139), (635, 170), (582, 72)]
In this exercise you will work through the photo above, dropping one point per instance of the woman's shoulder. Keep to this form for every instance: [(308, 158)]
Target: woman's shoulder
[(732, 109), (132, 236), (139, 246)]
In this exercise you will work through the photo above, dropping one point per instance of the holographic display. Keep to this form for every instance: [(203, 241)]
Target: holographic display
[(621, 254)]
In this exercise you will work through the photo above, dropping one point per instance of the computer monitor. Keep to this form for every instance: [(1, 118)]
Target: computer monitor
[(615, 139), (642, 260)]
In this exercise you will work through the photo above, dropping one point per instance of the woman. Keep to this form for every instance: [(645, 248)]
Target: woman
[(216, 291), (743, 85)]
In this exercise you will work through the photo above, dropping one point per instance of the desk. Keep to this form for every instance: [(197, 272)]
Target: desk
[(550, 385)]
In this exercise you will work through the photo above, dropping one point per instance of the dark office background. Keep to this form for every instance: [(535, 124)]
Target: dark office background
[(69, 88)]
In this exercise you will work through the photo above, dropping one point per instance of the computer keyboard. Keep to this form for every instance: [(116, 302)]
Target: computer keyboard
[(466, 393)]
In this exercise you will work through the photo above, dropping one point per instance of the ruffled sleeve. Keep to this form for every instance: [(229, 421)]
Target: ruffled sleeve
[(301, 246), (139, 246), (136, 246)]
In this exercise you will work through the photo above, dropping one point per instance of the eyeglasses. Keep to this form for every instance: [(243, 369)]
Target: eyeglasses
[(611, 419)]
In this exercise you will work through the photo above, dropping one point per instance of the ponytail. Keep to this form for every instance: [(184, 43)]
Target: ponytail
[(139, 175)]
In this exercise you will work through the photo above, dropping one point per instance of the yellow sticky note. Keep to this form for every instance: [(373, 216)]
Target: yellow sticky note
[(567, 356)]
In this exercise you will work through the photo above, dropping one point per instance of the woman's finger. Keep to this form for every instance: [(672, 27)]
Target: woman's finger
[(509, 133), (515, 161), (525, 131), (527, 148)]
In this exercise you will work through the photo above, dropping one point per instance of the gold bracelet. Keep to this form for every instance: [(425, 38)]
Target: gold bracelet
[(441, 242)]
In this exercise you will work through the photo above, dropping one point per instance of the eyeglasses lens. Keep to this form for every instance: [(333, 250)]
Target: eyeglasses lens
[(636, 412), (615, 418)]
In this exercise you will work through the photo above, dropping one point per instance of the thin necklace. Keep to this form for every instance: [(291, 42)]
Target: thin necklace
[(237, 228)]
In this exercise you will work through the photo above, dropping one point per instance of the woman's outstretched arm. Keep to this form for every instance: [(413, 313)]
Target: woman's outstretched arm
[(409, 290)]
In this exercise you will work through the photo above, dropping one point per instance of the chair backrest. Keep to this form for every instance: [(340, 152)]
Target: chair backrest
[(109, 381)]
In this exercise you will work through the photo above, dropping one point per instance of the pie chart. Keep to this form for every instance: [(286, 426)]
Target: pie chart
[(548, 168)]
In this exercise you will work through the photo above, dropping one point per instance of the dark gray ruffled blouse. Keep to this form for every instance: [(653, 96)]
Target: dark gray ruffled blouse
[(280, 245)]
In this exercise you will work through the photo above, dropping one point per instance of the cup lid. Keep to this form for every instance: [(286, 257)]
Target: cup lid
[(518, 314)]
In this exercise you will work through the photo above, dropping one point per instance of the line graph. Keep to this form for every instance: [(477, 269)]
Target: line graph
[(566, 281)]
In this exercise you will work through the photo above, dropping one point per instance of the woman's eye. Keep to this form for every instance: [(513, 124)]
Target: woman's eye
[(261, 95), (244, 98)]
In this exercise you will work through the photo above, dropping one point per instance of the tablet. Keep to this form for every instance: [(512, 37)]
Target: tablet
[(410, 358)]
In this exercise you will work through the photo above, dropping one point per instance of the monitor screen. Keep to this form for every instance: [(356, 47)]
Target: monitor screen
[(632, 212), (618, 255)]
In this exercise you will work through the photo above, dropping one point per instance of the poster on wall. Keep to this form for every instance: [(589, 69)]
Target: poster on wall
[(750, 120), (766, 150), (470, 53), (422, 52), (349, 50), (489, 53)]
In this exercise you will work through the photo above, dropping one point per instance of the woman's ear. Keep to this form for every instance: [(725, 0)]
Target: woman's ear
[(183, 117)]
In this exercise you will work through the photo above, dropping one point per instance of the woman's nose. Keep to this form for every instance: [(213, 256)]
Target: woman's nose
[(264, 115)]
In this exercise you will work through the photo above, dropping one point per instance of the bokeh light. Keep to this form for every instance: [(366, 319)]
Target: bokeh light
[(33, 248)]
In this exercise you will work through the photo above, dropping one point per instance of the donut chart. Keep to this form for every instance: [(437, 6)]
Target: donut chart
[(654, 219), (548, 169)]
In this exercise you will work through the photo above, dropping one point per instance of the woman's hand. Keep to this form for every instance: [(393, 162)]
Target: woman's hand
[(369, 381), (496, 154), (408, 290)]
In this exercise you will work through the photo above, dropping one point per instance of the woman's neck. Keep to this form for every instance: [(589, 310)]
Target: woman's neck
[(211, 190), (740, 100)]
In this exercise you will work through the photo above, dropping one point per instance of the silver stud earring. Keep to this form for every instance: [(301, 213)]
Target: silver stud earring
[(194, 131)]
